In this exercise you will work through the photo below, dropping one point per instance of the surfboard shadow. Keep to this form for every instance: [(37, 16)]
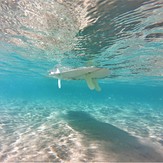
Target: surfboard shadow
[(114, 140)]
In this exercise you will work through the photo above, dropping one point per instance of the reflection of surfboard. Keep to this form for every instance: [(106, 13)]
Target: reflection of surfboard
[(90, 74)]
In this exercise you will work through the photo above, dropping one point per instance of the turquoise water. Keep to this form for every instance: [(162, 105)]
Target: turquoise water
[(40, 122)]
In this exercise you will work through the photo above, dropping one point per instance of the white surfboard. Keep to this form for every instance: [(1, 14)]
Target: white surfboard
[(89, 74)]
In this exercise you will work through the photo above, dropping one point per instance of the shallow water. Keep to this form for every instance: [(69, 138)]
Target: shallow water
[(44, 123), (123, 122)]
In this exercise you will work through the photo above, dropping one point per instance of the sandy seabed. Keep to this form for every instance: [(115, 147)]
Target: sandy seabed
[(50, 133)]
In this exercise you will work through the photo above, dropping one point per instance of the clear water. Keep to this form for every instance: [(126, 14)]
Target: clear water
[(123, 122)]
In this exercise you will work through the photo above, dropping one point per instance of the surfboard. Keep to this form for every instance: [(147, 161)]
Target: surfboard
[(89, 74)]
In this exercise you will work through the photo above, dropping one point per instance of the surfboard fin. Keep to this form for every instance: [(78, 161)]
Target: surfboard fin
[(59, 80), (89, 82), (59, 83), (96, 85), (92, 83)]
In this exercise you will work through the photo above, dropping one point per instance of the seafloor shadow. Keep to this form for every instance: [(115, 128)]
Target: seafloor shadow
[(115, 141)]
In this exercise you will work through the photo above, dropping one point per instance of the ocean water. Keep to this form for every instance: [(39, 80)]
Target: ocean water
[(121, 123)]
